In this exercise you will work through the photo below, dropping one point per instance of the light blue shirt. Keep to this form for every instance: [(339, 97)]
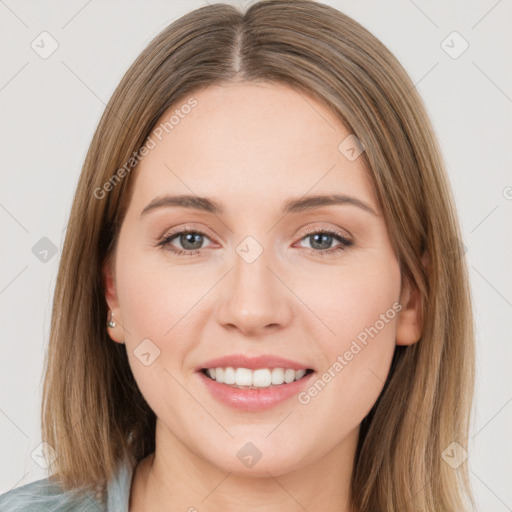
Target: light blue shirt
[(47, 496)]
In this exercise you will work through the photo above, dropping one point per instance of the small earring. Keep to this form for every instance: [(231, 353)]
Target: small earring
[(111, 322)]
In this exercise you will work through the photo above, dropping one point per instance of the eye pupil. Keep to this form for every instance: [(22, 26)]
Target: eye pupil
[(196, 239), (320, 236)]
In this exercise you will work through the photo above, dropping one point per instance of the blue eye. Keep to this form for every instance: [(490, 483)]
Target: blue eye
[(195, 238), (325, 237)]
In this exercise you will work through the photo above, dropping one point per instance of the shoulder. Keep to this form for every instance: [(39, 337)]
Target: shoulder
[(46, 495)]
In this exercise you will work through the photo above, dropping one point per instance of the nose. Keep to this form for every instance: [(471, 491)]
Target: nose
[(254, 299)]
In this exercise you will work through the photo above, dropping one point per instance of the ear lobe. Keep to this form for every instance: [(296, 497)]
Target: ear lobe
[(116, 333), (410, 319)]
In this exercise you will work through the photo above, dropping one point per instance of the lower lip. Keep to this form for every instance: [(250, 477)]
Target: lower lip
[(254, 399)]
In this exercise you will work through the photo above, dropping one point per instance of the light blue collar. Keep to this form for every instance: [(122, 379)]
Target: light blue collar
[(118, 491)]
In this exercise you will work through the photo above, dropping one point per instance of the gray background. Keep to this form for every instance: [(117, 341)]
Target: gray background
[(50, 108)]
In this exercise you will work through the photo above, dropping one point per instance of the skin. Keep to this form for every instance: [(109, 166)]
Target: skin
[(251, 147)]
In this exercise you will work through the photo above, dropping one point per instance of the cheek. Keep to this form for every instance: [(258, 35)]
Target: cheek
[(363, 315), (360, 308), (344, 300), (154, 305), (154, 296), (159, 304)]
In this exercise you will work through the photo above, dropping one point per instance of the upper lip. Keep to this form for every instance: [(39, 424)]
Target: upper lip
[(253, 363)]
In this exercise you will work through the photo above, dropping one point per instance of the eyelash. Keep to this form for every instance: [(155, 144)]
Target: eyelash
[(344, 242)]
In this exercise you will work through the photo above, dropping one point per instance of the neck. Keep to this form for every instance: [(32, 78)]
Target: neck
[(173, 478)]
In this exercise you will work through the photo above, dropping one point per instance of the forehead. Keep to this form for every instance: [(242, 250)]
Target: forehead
[(249, 142)]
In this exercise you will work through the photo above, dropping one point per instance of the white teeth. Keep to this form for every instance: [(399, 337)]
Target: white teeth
[(243, 377), (229, 376), (299, 374), (277, 376), (289, 375), (260, 378)]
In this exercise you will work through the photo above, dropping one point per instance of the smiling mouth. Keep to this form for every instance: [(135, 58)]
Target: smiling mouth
[(276, 382)]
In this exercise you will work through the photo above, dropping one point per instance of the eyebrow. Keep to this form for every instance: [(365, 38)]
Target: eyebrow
[(292, 206)]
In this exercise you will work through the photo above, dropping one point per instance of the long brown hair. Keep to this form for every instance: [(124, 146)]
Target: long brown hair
[(93, 413)]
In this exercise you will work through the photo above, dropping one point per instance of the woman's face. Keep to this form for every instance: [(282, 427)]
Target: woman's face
[(262, 280)]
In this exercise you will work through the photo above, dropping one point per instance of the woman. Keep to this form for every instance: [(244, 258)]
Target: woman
[(261, 300)]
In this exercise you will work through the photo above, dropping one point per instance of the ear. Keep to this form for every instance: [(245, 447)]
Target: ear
[(410, 320), (109, 285)]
